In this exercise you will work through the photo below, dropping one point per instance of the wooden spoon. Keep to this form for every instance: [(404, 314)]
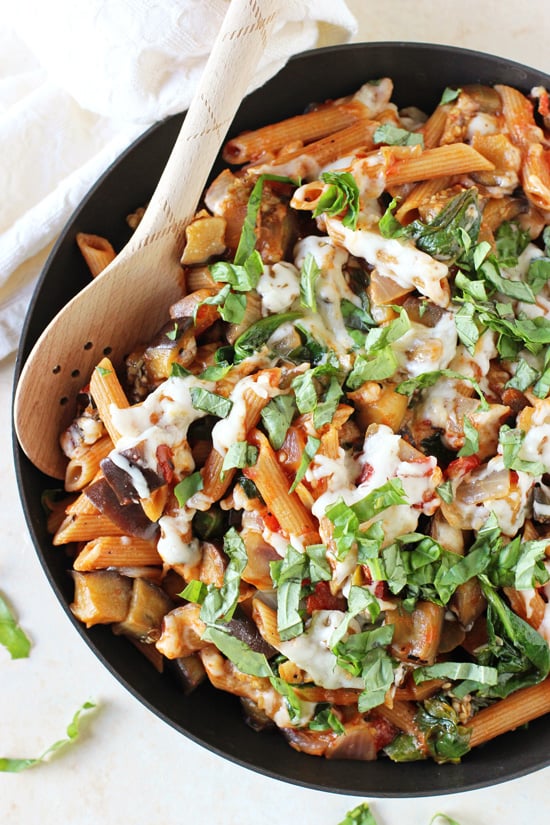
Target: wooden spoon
[(128, 302)]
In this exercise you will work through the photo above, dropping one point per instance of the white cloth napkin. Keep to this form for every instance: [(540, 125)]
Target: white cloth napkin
[(80, 80)]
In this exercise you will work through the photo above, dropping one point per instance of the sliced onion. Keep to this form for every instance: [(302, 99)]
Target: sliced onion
[(479, 486)]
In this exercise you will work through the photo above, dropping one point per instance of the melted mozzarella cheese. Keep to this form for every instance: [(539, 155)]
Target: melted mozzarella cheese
[(395, 258), (426, 349), (232, 428), (331, 285), (311, 652), (174, 545), (163, 418), (278, 287)]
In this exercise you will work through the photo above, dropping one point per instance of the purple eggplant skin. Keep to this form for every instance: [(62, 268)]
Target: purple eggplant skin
[(121, 481), (244, 629), (129, 517)]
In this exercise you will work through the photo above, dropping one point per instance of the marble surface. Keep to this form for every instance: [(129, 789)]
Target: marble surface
[(129, 766)]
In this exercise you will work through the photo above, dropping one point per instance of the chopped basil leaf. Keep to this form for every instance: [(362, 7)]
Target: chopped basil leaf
[(443, 237), (10, 765), (341, 193), (393, 135), (380, 337), (356, 317), (538, 274), (194, 592), (364, 654), (326, 719), (519, 653), (475, 289), (210, 402), (449, 95), (216, 372), (360, 600), (387, 495), (187, 487), (445, 491), (233, 309), (319, 569), (510, 441), (258, 334), (346, 519), (243, 657), (388, 224), (103, 371), (277, 416), (523, 378), (466, 327), (510, 241), (247, 241), (471, 438), (219, 603), (288, 576), (456, 671), (177, 371), (428, 379), (12, 637), (327, 405), (241, 278), (377, 367), (311, 447), (518, 290), (240, 454), (530, 570), (309, 275), (360, 815)]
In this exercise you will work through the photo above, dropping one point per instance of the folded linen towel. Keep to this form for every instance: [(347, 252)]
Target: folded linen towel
[(80, 80)]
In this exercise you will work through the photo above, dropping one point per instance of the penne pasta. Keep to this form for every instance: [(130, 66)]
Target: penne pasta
[(96, 251), (82, 468), (106, 390), (305, 128), (116, 551), (510, 713), (441, 161)]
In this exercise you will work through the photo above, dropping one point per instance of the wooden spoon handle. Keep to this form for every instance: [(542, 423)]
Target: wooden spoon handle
[(225, 80)]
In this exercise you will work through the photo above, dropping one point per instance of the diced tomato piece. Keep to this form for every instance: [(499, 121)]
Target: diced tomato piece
[(271, 523), (385, 732), (164, 456), (322, 599), (381, 590), (366, 473), (462, 466)]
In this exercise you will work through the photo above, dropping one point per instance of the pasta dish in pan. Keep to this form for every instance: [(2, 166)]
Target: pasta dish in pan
[(325, 485)]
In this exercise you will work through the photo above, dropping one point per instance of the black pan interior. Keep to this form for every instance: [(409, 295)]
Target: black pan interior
[(420, 73)]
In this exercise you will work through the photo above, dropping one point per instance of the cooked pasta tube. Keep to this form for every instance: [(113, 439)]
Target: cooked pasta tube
[(274, 487), (306, 128), (441, 161), (106, 390), (117, 551), (97, 252), (83, 467), (510, 713), (85, 527)]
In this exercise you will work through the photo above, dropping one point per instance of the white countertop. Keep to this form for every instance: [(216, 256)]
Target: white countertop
[(128, 765)]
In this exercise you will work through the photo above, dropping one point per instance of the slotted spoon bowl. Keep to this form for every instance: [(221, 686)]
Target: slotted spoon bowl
[(128, 301)]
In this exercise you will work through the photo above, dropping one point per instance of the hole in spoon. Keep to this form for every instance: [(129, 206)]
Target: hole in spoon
[(63, 400), (88, 345), (57, 369)]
